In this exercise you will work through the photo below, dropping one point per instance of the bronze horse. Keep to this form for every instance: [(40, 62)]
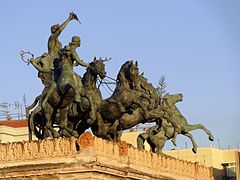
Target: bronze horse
[(157, 135), (141, 104)]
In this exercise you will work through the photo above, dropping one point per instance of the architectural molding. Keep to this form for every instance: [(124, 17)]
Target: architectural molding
[(91, 157)]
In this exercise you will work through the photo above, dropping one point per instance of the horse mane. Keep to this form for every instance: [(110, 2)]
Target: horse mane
[(122, 79), (141, 82), (123, 70), (87, 74)]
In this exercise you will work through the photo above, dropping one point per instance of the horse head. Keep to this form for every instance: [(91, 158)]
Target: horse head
[(128, 73), (97, 67), (171, 100), (132, 72)]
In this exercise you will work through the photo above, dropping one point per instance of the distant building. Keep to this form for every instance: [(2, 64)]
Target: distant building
[(13, 130), (225, 162)]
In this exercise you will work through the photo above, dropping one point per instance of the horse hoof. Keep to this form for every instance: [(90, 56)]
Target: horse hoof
[(90, 121), (64, 133), (194, 150), (56, 135), (75, 134), (47, 134), (211, 138)]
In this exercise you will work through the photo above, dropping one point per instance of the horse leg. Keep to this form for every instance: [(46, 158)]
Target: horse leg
[(152, 146), (160, 144), (140, 140), (100, 125), (48, 94), (144, 108), (49, 131), (65, 130), (159, 140), (116, 130), (93, 109), (194, 149), (188, 128)]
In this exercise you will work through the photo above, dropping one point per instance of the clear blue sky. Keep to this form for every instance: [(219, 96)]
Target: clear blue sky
[(195, 44)]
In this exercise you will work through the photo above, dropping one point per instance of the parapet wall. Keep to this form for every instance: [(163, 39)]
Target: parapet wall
[(91, 158)]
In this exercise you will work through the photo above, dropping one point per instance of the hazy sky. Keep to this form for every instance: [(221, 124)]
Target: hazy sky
[(195, 44)]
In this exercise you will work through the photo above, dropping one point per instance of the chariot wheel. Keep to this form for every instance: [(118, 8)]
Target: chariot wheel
[(38, 125)]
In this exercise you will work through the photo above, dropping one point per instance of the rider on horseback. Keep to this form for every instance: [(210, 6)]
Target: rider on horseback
[(45, 63), (68, 78), (170, 117)]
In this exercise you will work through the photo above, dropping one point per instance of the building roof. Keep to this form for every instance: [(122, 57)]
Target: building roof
[(14, 123)]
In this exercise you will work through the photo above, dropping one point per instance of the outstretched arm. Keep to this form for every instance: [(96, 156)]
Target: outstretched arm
[(35, 63), (64, 24), (78, 60)]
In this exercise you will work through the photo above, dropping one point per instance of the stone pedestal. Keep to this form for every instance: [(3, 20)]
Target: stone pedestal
[(91, 158)]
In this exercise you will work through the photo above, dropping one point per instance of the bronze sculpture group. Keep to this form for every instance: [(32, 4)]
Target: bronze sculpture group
[(70, 104)]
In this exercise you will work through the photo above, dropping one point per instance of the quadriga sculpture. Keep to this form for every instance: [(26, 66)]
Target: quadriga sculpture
[(74, 104), (157, 135)]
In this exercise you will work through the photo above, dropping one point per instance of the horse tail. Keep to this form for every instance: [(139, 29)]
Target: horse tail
[(140, 140), (35, 102)]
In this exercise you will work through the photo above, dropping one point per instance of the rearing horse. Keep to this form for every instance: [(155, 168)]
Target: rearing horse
[(136, 95), (157, 135)]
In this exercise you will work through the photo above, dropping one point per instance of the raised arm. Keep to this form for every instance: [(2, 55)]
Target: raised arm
[(64, 24)]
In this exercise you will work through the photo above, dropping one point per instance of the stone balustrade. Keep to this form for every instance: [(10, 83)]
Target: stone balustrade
[(28, 150), (105, 153)]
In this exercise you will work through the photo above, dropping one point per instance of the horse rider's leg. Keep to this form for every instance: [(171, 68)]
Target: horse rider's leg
[(176, 127), (188, 127), (140, 140), (48, 94), (177, 131), (64, 129), (194, 149)]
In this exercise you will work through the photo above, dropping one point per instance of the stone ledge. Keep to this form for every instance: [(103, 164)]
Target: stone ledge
[(89, 156)]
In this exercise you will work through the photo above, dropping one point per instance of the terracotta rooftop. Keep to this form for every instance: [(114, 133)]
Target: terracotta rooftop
[(14, 123)]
